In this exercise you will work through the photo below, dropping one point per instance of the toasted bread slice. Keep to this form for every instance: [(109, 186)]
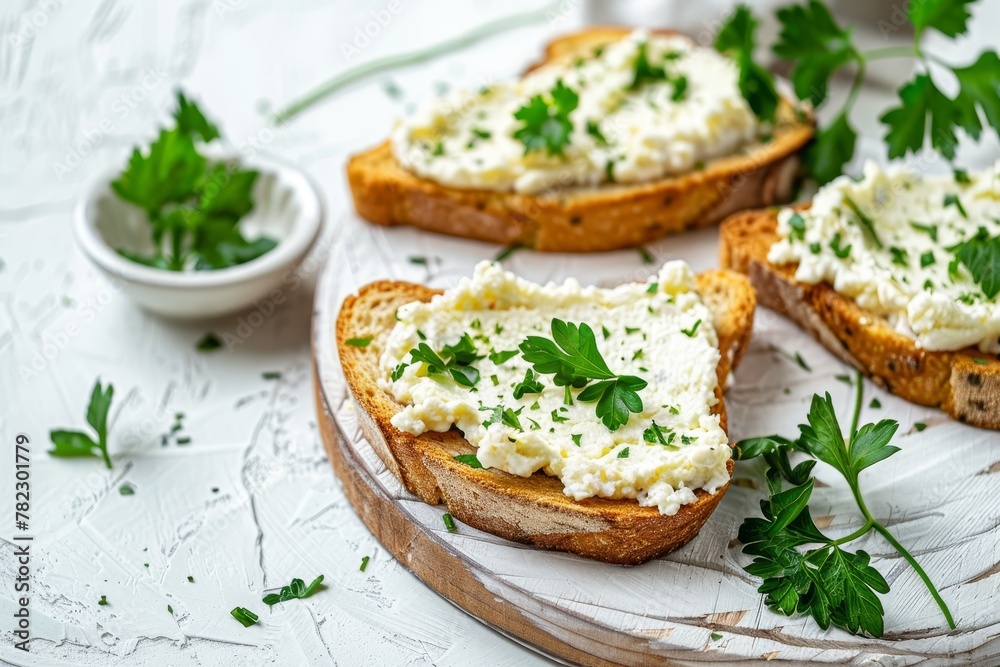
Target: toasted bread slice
[(535, 509), (965, 383), (582, 219)]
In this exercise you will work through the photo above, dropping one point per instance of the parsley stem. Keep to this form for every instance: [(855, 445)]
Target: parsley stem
[(884, 532), (860, 532), (411, 58), (859, 396), (890, 52), (859, 80)]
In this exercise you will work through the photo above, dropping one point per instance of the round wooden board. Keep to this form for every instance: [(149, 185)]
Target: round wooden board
[(940, 496)]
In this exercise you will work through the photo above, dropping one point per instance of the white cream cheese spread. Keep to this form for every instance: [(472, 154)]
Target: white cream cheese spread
[(916, 250), (659, 331), (648, 106)]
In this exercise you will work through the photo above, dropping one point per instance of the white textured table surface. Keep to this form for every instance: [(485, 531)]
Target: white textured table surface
[(76, 94), (279, 511)]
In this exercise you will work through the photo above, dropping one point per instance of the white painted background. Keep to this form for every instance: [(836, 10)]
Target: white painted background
[(279, 512)]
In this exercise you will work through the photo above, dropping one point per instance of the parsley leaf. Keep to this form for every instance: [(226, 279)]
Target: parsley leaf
[(572, 357), (359, 342), (295, 590), (816, 45), (192, 122), (979, 85), (456, 361), (502, 356), (470, 460), (920, 99), (546, 121), (73, 444), (530, 385), (831, 150), (981, 256), (949, 17), (736, 38)]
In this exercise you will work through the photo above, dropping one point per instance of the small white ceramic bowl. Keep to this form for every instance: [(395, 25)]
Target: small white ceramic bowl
[(287, 207)]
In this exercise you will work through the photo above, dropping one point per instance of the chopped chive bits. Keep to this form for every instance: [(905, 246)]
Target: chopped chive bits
[(449, 523), (244, 616), (359, 342), (209, 342), (364, 563), (920, 426), (103, 601)]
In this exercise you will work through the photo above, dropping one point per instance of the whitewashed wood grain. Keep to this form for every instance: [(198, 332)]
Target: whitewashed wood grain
[(939, 496)]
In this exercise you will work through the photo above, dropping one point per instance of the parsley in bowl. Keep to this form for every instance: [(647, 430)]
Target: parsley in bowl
[(189, 230)]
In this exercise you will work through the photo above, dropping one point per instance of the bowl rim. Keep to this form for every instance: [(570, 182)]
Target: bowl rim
[(304, 233)]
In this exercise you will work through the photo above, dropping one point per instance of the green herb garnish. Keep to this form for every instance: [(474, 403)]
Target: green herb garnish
[(574, 360), (736, 38), (503, 355), (449, 522), (953, 200), (819, 48), (867, 223), (833, 585), (981, 256), (193, 205), (546, 123), (364, 563), (296, 590), (208, 343), (75, 444), (359, 342), (244, 616), (470, 460), (930, 230), (692, 330), (455, 361), (842, 253), (530, 385)]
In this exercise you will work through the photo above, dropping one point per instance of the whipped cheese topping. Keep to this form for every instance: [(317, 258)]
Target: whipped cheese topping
[(660, 331), (914, 280), (621, 131)]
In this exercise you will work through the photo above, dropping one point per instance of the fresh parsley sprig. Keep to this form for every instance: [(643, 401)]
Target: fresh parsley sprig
[(572, 357), (193, 204), (546, 120), (296, 590), (818, 47), (454, 361), (826, 581), (75, 444)]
